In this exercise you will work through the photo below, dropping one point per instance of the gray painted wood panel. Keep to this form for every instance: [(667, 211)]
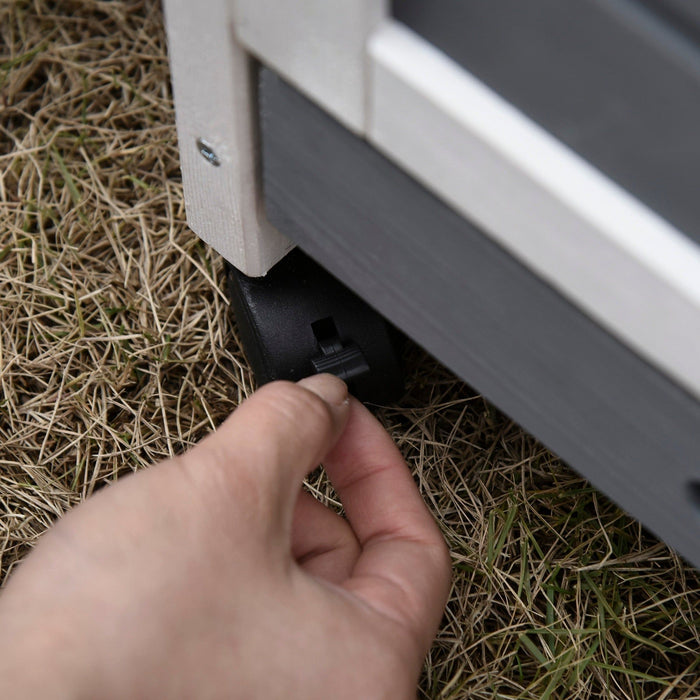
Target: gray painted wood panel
[(622, 424)]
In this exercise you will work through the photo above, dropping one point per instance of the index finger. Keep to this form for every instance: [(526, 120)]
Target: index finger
[(404, 568)]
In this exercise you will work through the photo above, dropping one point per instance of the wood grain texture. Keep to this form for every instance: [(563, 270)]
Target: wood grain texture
[(605, 250), (318, 45), (213, 89), (618, 421)]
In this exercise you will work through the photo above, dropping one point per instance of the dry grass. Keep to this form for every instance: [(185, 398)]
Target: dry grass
[(116, 349)]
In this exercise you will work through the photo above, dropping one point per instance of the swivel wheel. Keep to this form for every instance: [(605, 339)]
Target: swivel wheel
[(299, 320)]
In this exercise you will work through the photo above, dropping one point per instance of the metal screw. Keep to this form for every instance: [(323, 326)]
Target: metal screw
[(207, 151)]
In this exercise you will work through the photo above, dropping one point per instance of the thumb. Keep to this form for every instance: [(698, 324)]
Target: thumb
[(257, 459)]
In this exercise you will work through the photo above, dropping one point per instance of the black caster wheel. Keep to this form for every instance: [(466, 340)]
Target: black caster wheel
[(299, 320)]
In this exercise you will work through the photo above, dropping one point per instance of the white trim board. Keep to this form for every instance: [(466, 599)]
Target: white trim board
[(600, 247)]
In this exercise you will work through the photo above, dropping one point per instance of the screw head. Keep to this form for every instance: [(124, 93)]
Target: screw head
[(208, 152)]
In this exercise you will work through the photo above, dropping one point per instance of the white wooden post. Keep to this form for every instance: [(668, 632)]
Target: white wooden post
[(216, 125)]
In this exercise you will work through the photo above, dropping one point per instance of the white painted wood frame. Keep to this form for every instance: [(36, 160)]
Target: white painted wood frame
[(216, 126)]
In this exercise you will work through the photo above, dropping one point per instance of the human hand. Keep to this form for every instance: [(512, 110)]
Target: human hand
[(213, 575)]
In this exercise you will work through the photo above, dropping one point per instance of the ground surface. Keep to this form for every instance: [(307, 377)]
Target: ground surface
[(117, 349)]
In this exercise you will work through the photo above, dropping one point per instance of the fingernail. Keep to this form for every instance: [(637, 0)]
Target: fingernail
[(330, 388)]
